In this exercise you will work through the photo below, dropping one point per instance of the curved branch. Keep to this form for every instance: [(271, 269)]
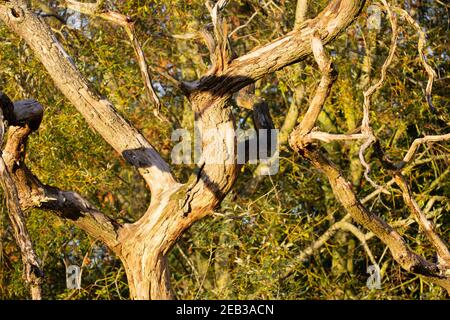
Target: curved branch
[(365, 125), (344, 225), (409, 260), (331, 231), (423, 58), (32, 269), (417, 142), (321, 94), (424, 223)]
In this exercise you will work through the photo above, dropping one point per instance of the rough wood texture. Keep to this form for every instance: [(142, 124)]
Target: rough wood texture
[(409, 260), (299, 141), (282, 52), (33, 193)]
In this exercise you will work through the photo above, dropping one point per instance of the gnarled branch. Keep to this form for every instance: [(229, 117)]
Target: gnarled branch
[(98, 112), (95, 10)]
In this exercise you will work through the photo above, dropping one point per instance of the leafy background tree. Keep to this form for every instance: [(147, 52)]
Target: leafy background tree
[(263, 225)]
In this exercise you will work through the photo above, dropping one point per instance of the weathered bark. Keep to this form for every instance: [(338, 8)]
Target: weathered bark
[(32, 271), (300, 140), (147, 242), (283, 51), (33, 193)]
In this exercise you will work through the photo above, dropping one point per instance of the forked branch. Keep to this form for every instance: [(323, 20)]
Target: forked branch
[(346, 197)]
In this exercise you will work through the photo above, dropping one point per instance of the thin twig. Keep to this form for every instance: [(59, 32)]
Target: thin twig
[(417, 142), (345, 225)]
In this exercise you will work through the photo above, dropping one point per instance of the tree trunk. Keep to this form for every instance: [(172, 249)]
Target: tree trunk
[(148, 277)]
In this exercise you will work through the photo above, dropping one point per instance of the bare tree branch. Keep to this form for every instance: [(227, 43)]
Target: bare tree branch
[(425, 225), (365, 125), (342, 188), (98, 112), (279, 53), (417, 142), (32, 193), (221, 44), (423, 59), (331, 231), (95, 10), (344, 225), (297, 137), (245, 24), (409, 260)]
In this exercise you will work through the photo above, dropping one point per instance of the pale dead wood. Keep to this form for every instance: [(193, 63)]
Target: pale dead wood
[(32, 272), (326, 81), (417, 142), (283, 51), (32, 193), (143, 246), (345, 225), (331, 231), (423, 58), (409, 260), (245, 24), (425, 225), (300, 13), (366, 130), (343, 190), (221, 44)]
